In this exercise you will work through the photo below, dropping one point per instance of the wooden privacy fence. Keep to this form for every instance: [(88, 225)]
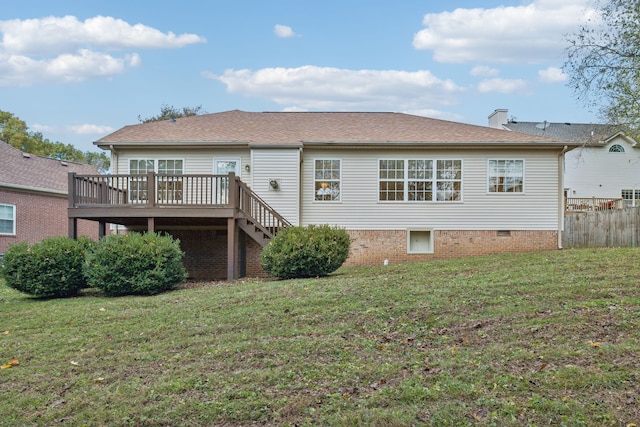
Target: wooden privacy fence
[(606, 228)]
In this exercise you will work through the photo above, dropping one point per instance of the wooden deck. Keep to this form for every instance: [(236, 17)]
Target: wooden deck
[(590, 204), (155, 201)]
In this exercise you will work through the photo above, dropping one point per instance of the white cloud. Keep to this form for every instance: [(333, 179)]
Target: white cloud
[(283, 31), (64, 34), (552, 75), (530, 33), (64, 49), (22, 71), (484, 71), (84, 129), (504, 86), (326, 88), (88, 129)]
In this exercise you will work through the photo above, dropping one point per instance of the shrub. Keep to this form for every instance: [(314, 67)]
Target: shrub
[(135, 264), (310, 251), (51, 268)]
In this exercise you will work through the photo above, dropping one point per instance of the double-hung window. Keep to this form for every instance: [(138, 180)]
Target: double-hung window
[(630, 197), (169, 186), (421, 180), (506, 176), (327, 180), (138, 185), (8, 219), (169, 180)]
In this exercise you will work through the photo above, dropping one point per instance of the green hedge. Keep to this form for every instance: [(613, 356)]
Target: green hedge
[(135, 264), (51, 268), (312, 251)]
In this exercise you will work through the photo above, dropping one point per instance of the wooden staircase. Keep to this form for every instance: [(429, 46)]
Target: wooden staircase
[(255, 217)]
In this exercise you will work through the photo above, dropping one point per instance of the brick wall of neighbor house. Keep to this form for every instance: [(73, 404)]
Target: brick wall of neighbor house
[(372, 247), (39, 216)]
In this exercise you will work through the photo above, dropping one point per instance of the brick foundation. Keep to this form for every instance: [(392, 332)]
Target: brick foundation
[(206, 250), (372, 247), (206, 254)]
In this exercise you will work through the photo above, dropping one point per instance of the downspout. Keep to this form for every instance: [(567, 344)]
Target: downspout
[(561, 194)]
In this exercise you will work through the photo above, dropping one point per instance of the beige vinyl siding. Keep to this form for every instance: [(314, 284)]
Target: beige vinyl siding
[(196, 161), (282, 165), (535, 209)]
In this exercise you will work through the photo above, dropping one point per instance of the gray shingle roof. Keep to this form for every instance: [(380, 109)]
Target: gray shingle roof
[(275, 128), (577, 132), (36, 172)]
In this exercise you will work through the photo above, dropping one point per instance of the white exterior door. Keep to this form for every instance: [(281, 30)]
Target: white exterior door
[(222, 166)]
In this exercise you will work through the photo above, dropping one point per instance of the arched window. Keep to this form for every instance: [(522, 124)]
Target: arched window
[(616, 148)]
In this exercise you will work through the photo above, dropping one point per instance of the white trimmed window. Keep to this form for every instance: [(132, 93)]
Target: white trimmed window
[(327, 180), (419, 241), (169, 187), (506, 176), (419, 180), (616, 148), (8, 219), (631, 197)]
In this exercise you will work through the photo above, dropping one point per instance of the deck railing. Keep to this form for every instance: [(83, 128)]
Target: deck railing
[(258, 211), (154, 190), (586, 204), (148, 189)]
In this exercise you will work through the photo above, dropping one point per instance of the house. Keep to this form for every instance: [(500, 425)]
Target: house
[(34, 198), (406, 188), (601, 171)]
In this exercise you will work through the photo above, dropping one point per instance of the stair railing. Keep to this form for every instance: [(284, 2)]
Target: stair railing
[(256, 210)]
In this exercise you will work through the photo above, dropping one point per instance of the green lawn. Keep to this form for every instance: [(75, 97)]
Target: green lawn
[(544, 339)]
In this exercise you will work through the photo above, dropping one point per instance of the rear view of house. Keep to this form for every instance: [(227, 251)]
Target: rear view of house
[(406, 188), (34, 198)]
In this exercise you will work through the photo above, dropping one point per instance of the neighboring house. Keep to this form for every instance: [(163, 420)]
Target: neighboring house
[(605, 166), (34, 198), (406, 188)]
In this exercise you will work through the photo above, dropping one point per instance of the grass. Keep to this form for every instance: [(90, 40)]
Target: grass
[(539, 339)]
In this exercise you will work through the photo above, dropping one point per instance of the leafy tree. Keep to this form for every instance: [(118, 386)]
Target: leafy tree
[(16, 133), (168, 112), (603, 63)]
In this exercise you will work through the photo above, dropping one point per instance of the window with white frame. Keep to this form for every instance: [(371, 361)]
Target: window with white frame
[(616, 148), (419, 180), (8, 219), (419, 241), (169, 184), (630, 197), (327, 180), (169, 181), (138, 185), (506, 176)]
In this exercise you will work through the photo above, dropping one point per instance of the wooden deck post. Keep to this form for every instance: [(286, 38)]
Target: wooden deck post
[(233, 231), (151, 189), (73, 228), (73, 222), (233, 235)]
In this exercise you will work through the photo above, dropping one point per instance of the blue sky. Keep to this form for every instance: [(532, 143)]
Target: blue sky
[(77, 70)]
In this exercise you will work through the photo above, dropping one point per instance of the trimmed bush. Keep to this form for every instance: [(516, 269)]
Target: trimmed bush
[(51, 268), (135, 264), (312, 251)]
